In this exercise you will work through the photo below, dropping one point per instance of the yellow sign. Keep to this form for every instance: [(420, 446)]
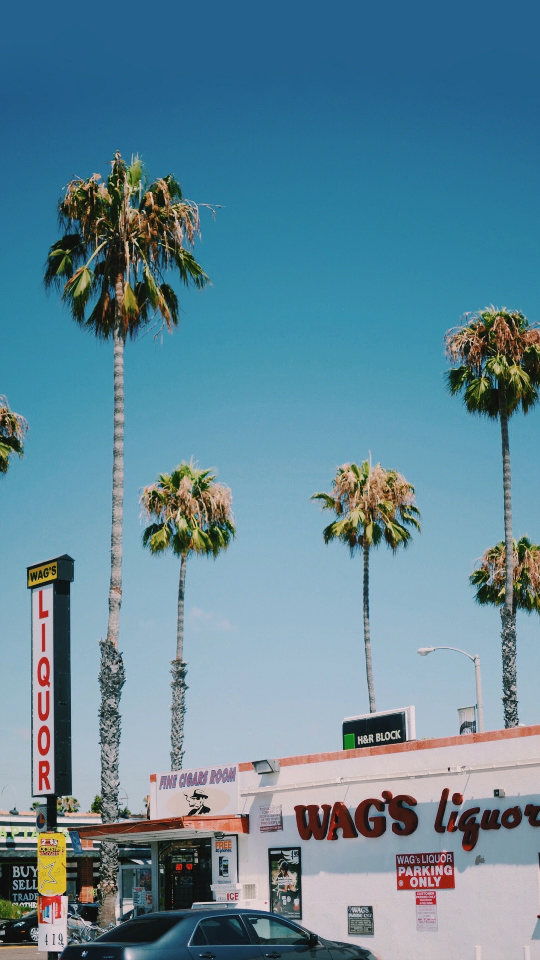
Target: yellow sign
[(51, 858), (43, 573)]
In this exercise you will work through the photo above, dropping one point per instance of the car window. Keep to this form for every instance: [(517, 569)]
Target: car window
[(143, 930), (220, 932), (272, 930)]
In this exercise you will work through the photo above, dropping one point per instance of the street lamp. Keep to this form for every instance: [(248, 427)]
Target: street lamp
[(14, 812), (423, 651)]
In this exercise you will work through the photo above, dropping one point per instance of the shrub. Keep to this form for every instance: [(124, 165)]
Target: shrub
[(12, 911)]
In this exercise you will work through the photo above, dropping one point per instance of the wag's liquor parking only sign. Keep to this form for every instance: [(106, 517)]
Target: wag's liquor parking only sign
[(51, 676), (425, 871)]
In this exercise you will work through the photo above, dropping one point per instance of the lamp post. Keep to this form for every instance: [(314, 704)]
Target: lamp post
[(14, 812), (423, 651)]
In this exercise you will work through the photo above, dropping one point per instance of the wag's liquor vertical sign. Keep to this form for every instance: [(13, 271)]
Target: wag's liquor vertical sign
[(51, 676)]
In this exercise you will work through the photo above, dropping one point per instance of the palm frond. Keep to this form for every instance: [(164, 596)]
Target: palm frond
[(119, 229), (494, 348), (196, 509), (490, 577), (370, 504)]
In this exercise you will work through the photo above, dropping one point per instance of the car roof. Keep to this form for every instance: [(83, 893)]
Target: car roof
[(201, 912)]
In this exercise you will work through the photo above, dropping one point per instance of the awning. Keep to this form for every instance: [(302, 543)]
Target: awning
[(171, 828)]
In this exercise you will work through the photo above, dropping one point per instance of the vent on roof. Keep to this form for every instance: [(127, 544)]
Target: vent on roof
[(249, 891)]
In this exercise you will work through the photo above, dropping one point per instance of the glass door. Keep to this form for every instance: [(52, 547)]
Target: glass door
[(185, 873)]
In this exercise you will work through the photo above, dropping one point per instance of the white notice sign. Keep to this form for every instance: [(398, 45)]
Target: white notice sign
[(270, 818), (426, 911)]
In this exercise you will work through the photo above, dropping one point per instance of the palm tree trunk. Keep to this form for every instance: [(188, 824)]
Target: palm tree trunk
[(508, 617), (178, 683), (180, 620), (115, 587), (112, 674), (367, 638), (111, 681)]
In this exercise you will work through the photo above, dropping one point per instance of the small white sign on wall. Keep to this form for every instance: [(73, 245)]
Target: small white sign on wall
[(426, 911)]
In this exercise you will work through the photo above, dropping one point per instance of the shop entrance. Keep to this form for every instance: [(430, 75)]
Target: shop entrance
[(185, 870)]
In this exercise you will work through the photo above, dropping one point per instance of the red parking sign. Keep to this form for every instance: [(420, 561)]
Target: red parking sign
[(425, 871)]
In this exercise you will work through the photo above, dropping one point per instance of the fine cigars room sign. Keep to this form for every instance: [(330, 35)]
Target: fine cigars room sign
[(51, 676), (200, 791)]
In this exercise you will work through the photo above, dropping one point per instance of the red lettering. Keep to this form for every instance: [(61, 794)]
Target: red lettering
[(43, 713), (490, 820), (511, 818), (313, 827), (439, 825), (44, 749), (366, 825), (407, 819), (532, 811), (42, 613), (44, 771), (452, 824), (341, 820), (43, 638), (44, 672), (470, 827)]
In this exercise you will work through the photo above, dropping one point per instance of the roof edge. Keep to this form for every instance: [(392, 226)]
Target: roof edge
[(408, 747)]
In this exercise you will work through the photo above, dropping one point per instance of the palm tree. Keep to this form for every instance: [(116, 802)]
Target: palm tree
[(120, 238), (12, 430), (490, 577), (496, 358), (371, 505), (67, 805), (191, 513)]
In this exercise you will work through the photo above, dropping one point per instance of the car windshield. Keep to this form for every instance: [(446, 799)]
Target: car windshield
[(143, 930)]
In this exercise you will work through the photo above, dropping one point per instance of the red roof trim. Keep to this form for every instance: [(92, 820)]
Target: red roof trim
[(409, 746), (232, 824)]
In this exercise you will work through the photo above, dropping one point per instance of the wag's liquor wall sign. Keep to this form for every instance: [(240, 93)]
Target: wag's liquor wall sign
[(51, 676), (373, 816)]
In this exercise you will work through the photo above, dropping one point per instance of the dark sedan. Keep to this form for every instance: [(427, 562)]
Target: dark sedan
[(20, 931), (213, 934)]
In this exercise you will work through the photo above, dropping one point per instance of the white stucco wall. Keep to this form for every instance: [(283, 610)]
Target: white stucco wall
[(496, 898)]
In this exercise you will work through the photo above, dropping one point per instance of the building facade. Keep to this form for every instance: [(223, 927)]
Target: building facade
[(425, 850)]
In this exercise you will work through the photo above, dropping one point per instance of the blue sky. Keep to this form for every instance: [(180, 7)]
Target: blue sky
[(377, 176)]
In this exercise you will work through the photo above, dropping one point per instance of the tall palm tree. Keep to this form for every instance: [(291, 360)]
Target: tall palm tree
[(12, 430), (121, 236), (191, 513), (496, 369), (372, 505), (490, 577)]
